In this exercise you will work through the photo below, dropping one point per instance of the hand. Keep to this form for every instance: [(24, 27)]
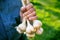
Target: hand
[(28, 12)]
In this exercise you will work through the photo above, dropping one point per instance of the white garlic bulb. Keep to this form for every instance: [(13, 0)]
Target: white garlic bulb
[(22, 26), (29, 28), (37, 24), (39, 31)]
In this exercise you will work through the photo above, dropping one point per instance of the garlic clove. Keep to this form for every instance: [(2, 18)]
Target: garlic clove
[(30, 35), (37, 24), (40, 31)]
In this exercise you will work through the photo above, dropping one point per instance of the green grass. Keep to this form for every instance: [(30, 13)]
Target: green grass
[(48, 11)]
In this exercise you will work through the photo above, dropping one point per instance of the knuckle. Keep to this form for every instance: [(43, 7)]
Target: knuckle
[(22, 9), (34, 12), (29, 15), (31, 10)]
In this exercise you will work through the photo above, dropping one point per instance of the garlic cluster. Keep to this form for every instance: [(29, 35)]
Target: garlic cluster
[(35, 28), (29, 29)]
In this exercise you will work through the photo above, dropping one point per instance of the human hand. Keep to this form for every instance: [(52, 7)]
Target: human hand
[(28, 12)]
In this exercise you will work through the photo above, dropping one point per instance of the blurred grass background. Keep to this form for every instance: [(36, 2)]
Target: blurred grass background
[(48, 11)]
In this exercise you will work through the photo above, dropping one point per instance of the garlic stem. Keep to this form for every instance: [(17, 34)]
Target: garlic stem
[(25, 2)]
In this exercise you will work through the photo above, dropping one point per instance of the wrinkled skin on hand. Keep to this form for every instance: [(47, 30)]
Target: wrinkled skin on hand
[(28, 12)]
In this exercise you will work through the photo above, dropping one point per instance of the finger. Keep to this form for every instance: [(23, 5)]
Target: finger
[(21, 14), (29, 6), (33, 18), (28, 12), (32, 14), (23, 9)]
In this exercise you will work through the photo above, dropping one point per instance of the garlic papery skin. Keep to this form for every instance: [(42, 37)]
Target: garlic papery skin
[(29, 28), (30, 35), (37, 24), (22, 26), (39, 31)]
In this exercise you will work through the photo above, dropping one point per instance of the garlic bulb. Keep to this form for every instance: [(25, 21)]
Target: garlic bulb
[(29, 28), (30, 35), (40, 31), (37, 24), (22, 26)]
